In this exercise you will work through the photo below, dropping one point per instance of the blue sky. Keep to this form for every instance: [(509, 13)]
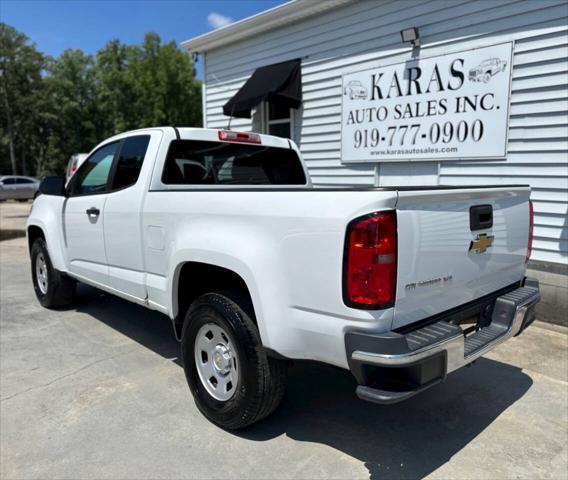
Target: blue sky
[(55, 25)]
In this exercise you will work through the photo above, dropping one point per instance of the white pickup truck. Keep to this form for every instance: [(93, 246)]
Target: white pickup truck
[(223, 232)]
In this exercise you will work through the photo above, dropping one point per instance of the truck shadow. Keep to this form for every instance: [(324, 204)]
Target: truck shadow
[(149, 328), (407, 440)]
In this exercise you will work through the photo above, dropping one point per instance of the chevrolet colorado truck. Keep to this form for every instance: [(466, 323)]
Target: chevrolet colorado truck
[(223, 232)]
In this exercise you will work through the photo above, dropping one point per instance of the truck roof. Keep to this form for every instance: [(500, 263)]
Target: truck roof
[(208, 134)]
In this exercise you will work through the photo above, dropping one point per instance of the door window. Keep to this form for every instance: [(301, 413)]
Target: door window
[(130, 161), (92, 176)]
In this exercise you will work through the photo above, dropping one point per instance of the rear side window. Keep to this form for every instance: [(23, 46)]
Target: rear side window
[(130, 161), (195, 162)]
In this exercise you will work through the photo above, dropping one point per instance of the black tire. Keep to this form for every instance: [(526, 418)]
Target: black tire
[(60, 289), (262, 379)]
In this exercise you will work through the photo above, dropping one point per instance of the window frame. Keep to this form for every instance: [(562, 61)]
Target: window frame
[(165, 187), (112, 170), (266, 122), (116, 158), (71, 185)]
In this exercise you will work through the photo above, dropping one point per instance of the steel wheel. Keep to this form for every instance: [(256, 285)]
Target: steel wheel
[(41, 273), (216, 361)]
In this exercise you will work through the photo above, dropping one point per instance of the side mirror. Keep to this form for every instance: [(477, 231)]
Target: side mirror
[(53, 185)]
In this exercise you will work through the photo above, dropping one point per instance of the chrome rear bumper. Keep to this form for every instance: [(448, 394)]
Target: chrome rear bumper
[(393, 367)]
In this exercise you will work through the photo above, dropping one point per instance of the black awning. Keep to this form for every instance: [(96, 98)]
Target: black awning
[(279, 84)]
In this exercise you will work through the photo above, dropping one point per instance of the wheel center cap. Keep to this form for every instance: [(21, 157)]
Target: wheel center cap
[(222, 359)]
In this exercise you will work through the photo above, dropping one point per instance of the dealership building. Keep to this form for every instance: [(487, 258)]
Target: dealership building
[(409, 92)]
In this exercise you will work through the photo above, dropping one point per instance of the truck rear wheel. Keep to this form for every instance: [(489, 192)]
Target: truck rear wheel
[(233, 381), (52, 288)]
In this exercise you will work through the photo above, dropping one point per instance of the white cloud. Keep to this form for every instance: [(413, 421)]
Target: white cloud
[(217, 20)]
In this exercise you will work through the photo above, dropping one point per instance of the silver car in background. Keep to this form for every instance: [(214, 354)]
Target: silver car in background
[(17, 187)]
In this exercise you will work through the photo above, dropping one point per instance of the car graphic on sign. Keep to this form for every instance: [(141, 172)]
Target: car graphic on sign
[(487, 69), (354, 89)]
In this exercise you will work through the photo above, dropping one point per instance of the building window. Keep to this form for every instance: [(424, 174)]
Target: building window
[(277, 120)]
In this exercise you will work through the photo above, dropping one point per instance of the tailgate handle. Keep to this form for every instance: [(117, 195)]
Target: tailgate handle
[(480, 217)]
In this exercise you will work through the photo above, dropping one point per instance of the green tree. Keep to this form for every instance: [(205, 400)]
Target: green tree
[(148, 85), (164, 83), (53, 108), (21, 88), (72, 91), (115, 92)]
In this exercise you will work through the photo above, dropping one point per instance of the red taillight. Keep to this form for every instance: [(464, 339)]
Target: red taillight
[(370, 261), (73, 168), (240, 137), (531, 228)]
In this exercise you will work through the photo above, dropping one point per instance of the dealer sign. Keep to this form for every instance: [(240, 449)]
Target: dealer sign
[(450, 107)]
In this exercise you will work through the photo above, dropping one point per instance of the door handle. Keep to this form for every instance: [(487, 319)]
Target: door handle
[(95, 212)]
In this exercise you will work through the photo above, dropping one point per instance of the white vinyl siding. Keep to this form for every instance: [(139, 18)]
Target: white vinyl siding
[(365, 34)]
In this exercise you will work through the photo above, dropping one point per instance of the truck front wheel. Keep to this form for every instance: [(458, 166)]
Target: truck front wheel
[(52, 288), (233, 381)]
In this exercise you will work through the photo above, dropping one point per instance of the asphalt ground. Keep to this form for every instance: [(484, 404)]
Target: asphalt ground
[(97, 391)]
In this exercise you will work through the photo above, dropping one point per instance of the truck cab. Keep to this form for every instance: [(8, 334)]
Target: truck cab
[(224, 233)]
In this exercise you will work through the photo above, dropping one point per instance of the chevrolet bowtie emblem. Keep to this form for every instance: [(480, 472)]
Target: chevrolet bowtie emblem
[(481, 243)]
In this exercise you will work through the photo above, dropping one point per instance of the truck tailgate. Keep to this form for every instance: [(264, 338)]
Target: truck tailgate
[(448, 254)]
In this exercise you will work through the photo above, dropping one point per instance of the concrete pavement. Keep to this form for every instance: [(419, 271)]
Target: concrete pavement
[(13, 216)]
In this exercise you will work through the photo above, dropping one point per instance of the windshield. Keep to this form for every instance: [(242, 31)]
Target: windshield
[(195, 162)]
